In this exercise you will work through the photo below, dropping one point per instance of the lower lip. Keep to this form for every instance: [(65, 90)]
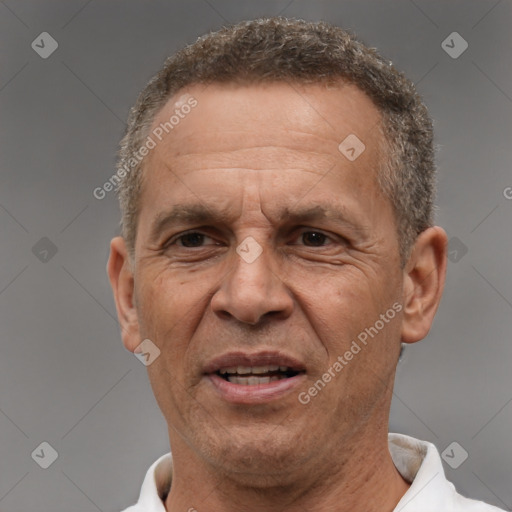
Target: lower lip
[(254, 394)]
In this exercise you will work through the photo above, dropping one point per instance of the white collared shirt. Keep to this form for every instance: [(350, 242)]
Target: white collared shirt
[(417, 461)]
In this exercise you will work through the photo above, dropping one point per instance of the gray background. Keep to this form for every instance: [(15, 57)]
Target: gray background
[(65, 377)]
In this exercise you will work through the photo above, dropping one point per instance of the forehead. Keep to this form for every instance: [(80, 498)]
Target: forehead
[(282, 114), (293, 131)]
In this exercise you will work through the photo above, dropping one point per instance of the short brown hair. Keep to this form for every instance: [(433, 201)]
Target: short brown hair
[(280, 49)]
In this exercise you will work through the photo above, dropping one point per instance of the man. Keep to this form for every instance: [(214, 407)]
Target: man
[(277, 183)]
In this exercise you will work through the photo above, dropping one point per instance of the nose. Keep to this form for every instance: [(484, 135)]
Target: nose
[(252, 290)]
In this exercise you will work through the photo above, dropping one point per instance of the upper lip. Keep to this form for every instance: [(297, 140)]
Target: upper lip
[(263, 358)]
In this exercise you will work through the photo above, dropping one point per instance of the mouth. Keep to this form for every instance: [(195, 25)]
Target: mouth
[(256, 375), (254, 378)]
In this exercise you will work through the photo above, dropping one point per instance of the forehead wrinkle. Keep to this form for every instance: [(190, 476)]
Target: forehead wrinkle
[(254, 158), (234, 169), (170, 166), (293, 138), (274, 147)]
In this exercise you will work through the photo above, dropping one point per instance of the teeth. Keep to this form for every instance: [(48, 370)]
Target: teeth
[(229, 370), (255, 370), (265, 369), (252, 381)]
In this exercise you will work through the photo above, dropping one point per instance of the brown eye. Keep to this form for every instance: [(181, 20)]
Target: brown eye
[(191, 240), (314, 238)]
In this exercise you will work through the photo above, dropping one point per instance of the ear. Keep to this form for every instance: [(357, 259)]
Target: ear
[(424, 277), (120, 273)]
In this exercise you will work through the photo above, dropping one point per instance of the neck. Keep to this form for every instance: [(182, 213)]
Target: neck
[(358, 477)]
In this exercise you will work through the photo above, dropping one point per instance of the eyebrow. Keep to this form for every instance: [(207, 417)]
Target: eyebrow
[(199, 214), (338, 215), (185, 214)]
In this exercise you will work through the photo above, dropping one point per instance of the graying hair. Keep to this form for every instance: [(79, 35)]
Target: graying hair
[(280, 49)]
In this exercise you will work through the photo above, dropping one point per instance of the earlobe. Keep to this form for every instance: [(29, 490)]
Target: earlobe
[(121, 279), (424, 278)]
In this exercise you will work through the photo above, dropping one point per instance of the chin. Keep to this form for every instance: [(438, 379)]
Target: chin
[(265, 457)]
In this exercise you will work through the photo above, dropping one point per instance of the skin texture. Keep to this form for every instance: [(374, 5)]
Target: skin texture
[(257, 153)]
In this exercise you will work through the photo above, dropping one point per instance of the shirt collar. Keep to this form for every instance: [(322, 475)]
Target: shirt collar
[(156, 486), (420, 464)]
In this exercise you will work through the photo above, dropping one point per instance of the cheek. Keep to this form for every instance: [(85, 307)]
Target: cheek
[(345, 309), (341, 300), (167, 296), (169, 309), (172, 309), (370, 324)]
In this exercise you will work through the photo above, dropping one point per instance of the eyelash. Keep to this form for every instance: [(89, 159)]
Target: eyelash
[(176, 238)]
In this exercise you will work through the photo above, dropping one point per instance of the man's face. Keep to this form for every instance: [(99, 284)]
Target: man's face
[(258, 168)]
